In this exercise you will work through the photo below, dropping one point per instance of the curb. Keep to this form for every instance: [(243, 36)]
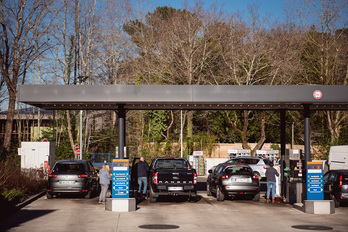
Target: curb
[(29, 200)]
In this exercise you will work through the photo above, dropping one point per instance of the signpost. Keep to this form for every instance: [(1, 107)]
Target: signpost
[(315, 185), (120, 178)]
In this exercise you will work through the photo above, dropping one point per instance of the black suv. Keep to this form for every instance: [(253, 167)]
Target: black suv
[(336, 186), (72, 177)]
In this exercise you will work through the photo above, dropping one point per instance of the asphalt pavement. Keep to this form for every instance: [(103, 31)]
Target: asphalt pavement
[(170, 214)]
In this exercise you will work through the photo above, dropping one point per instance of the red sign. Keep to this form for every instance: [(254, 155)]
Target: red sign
[(78, 152), (45, 164), (317, 94), (44, 140), (76, 147)]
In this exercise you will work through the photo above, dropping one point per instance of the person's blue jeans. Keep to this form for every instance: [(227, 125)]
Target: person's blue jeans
[(271, 184), (141, 181)]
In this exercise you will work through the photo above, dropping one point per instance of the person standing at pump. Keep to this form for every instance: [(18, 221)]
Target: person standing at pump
[(142, 176), (271, 174), (104, 181)]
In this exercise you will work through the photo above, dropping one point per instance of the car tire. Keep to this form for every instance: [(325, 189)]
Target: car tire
[(337, 203), (153, 199), (219, 194), (89, 194), (192, 199), (49, 196), (209, 190), (256, 197)]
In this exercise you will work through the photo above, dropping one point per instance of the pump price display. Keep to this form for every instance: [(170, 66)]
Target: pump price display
[(315, 186), (120, 178)]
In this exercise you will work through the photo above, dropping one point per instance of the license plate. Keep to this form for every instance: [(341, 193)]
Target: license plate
[(66, 182), (242, 180), (175, 188)]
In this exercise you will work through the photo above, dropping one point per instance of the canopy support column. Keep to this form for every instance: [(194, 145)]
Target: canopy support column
[(121, 113)]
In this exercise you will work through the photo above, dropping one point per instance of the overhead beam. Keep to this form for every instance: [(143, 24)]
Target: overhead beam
[(190, 97)]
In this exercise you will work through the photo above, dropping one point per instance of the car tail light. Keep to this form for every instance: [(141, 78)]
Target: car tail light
[(155, 178), (255, 177), (84, 190), (195, 178), (224, 176), (265, 167), (49, 190), (341, 182), (82, 176), (52, 175)]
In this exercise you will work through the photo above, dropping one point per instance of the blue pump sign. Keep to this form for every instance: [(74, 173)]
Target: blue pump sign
[(120, 178), (315, 184)]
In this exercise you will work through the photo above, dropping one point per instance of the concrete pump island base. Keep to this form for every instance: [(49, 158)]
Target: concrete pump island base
[(120, 205)]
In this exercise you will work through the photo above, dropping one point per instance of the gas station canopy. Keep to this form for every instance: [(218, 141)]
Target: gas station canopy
[(191, 97)]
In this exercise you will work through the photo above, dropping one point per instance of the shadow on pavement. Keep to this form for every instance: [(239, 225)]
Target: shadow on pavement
[(22, 216)]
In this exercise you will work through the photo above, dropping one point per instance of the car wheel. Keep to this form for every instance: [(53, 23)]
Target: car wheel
[(49, 196), (209, 190), (89, 194), (337, 203), (256, 197), (153, 199), (219, 194), (191, 199)]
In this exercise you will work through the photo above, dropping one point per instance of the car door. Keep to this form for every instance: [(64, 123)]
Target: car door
[(93, 176), (329, 185), (215, 177), (326, 186)]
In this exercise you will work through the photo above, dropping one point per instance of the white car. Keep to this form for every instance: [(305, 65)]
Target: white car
[(258, 165)]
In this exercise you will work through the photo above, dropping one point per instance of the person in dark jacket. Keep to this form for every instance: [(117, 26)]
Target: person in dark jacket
[(271, 174), (142, 175)]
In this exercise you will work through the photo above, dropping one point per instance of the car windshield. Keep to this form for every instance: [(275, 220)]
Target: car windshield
[(171, 163), (68, 168), (238, 170)]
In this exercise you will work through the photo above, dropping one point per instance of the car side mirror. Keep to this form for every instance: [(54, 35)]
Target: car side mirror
[(210, 171)]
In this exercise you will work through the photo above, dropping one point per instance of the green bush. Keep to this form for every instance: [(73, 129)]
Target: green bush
[(13, 196)]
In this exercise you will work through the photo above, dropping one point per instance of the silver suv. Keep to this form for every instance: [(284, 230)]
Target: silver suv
[(258, 165), (72, 177)]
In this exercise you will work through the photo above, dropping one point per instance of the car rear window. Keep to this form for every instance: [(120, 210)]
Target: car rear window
[(69, 168), (251, 161), (171, 163), (267, 161), (233, 170)]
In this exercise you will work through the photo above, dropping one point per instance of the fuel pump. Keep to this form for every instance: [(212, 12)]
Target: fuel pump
[(295, 175)]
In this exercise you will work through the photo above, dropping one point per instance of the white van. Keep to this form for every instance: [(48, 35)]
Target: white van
[(338, 157)]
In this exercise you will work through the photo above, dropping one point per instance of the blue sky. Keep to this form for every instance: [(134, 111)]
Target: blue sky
[(273, 7)]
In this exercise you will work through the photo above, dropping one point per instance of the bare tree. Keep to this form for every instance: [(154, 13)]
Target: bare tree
[(260, 52), (24, 25), (325, 50)]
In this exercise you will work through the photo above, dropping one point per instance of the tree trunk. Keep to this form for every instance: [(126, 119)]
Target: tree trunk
[(245, 130), (263, 134), (9, 119), (69, 132)]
